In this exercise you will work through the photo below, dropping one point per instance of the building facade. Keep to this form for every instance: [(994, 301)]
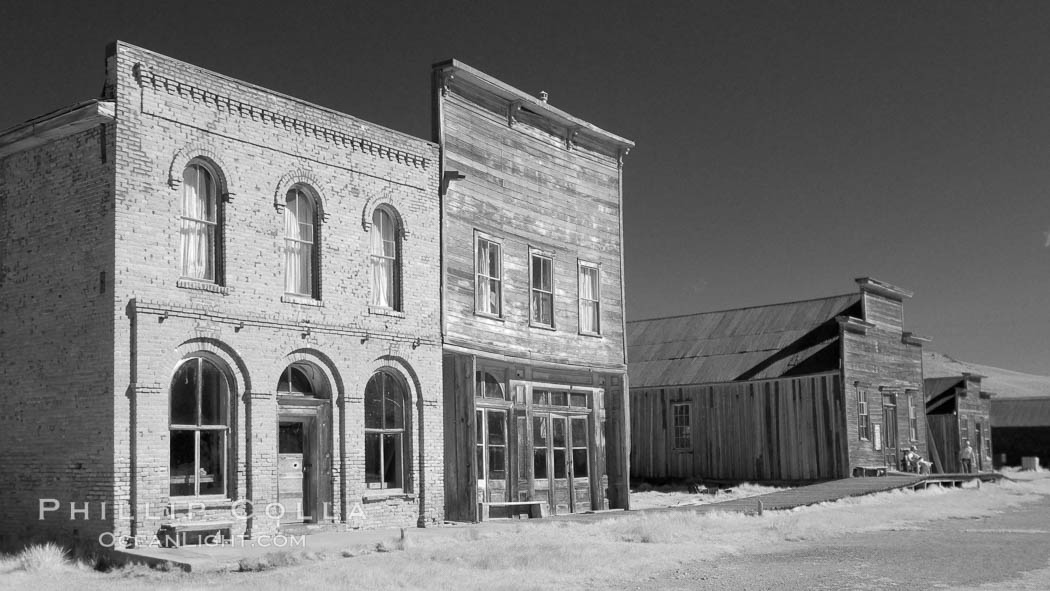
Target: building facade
[(958, 410), (533, 320), (225, 306), (794, 392)]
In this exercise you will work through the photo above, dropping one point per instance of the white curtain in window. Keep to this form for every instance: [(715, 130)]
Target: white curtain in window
[(488, 277), (384, 259), (299, 238), (588, 299), (197, 233)]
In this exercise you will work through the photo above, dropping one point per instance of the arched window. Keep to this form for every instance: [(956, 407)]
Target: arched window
[(385, 426), (300, 244), (386, 261), (201, 229), (199, 429)]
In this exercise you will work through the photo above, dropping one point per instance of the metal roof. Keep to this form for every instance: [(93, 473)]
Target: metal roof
[(759, 342), (1021, 412)]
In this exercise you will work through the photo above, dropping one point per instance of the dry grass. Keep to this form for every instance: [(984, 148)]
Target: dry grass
[(626, 551)]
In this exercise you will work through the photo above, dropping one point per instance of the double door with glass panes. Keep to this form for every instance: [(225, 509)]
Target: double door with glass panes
[(491, 454), (561, 461)]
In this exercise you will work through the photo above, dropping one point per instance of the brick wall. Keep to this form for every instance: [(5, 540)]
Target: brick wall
[(263, 143), (56, 325)]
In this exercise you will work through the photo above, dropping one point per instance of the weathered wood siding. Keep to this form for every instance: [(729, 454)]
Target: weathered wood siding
[(460, 473), (788, 429), (879, 362), (523, 187)]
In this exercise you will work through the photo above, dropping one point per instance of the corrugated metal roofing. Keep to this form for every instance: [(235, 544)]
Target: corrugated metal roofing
[(729, 345), (1021, 412)]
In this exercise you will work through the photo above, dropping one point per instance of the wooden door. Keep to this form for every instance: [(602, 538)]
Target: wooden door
[(295, 468), (491, 448), (889, 434), (579, 464), (978, 448)]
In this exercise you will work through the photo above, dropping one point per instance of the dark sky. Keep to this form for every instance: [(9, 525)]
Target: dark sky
[(783, 148)]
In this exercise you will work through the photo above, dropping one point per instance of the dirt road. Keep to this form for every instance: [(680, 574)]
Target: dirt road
[(1010, 550)]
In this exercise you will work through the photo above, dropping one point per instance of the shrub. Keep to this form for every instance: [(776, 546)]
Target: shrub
[(43, 557)]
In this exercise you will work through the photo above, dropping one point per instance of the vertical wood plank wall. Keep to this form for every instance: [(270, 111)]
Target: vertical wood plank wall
[(460, 476), (788, 429)]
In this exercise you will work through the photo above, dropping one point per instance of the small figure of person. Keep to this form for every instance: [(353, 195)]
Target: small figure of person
[(966, 457), (911, 459)]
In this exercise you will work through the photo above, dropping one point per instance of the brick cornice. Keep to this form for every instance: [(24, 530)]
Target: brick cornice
[(240, 321), (147, 77)]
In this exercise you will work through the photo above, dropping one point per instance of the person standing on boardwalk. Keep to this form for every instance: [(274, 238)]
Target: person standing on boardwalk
[(966, 457)]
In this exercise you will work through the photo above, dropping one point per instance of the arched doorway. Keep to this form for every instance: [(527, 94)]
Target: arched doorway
[(304, 444)]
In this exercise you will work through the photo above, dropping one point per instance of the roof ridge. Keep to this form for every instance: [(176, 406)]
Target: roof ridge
[(744, 308)]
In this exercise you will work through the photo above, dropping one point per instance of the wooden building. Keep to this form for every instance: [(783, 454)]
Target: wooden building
[(800, 391), (957, 410), (1021, 428), (532, 291)]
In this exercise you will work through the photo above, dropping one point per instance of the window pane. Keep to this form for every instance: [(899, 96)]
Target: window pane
[(579, 432), (393, 408), (494, 261), (213, 453), (540, 397), (579, 463), (539, 432), (559, 463), (497, 427), (213, 395), (290, 440), (578, 399), (181, 463), (559, 438), (539, 463), (372, 457), (497, 463), (184, 394), (560, 399), (373, 403), (392, 460)]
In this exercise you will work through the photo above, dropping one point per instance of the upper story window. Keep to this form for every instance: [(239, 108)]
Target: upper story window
[(590, 299), (488, 288), (541, 286), (201, 228), (199, 429), (300, 244), (386, 261)]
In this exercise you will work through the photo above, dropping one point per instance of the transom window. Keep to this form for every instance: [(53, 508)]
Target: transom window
[(300, 261), (549, 397), (683, 428), (488, 386), (199, 429), (385, 423), (489, 285), (200, 227), (590, 300), (386, 266), (542, 288)]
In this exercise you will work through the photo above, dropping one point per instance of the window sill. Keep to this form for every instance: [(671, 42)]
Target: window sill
[(489, 316), (375, 496), (291, 298), (181, 505), (381, 311), (593, 335), (199, 285), (543, 327)]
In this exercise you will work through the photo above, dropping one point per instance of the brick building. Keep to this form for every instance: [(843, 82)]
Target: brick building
[(534, 368), (211, 293)]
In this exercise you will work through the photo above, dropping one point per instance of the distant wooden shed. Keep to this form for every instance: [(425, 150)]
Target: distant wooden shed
[(957, 410), (799, 391), (1021, 427)]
